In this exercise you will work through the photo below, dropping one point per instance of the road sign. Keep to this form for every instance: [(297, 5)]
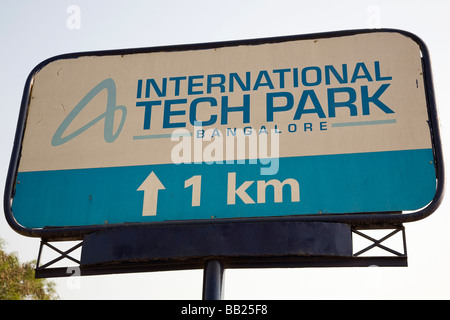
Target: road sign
[(334, 126)]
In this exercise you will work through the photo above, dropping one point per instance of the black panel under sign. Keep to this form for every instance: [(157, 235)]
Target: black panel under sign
[(183, 246)]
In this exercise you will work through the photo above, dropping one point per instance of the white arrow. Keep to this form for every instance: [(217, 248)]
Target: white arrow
[(150, 186)]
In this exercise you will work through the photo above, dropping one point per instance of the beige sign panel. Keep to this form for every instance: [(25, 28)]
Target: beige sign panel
[(335, 125), (322, 96)]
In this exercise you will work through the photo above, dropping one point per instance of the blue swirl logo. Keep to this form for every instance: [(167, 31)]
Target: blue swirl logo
[(109, 115)]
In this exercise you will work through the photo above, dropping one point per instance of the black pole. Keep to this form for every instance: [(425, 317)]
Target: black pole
[(212, 280)]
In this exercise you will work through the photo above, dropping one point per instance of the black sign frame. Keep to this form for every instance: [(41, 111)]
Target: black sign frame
[(385, 218)]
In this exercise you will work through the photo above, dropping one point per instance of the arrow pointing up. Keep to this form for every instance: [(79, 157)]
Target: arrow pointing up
[(150, 186)]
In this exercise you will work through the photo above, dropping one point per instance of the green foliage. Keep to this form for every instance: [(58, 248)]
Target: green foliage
[(17, 281)]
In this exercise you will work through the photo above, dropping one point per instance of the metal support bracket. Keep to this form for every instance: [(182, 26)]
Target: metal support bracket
[(387, 256), (103, 247), (47, 270)]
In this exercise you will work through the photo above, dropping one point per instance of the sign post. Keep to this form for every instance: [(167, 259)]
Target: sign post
[(213, 280), (326, 131)]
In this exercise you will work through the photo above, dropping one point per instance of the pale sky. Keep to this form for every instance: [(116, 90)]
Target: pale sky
[(32, 31)]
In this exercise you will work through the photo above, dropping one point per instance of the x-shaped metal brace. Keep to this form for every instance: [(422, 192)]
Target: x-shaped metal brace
[(63, 254), (377, 242)]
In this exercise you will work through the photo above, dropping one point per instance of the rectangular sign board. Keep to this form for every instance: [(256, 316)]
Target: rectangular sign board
[(326, 125)]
